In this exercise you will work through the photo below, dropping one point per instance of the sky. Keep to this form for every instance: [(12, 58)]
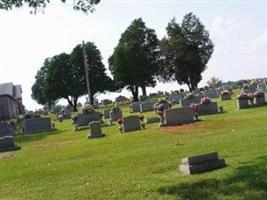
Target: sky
[(238, 30)]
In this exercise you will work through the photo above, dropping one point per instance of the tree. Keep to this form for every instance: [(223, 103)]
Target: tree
[(214, 82), (185, 52), (98, 79), (59, 81), (38, 88), (135, 59), (80, 5)]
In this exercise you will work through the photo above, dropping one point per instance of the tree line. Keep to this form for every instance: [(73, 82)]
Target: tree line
[(138, 60)]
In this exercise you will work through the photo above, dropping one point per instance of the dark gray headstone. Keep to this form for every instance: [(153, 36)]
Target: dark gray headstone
[(187, 102), (135, 107), (7, 143), (208, 109), (242, 103), (178, 116), (201, 163), (131, 123), (259, 101), (37, 125), (95, 130), (106, 113), (262, 87), (6, 130), (211, 93), (146, 106), (85, 119), (114, 115)]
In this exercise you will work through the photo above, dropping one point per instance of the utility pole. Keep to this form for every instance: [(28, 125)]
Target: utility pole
[(86, 66)]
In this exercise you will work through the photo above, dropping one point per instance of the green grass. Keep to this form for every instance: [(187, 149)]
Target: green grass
[(142, 165)]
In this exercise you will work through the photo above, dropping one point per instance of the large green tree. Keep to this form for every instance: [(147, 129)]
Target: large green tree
[(38, 88), (81, 5), (59, 80), (134, 62), (98, 78), (185, 51), (63, 77)]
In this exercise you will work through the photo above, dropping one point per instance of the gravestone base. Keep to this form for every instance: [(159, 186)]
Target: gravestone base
[(201, 163), (152, 120)]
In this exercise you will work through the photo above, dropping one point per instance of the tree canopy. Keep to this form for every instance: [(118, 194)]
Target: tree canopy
[(134, 62), (80, 5), (185, 51), (63, 76)]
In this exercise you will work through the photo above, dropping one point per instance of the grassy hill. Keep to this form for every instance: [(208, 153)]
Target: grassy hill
[(142, 165)]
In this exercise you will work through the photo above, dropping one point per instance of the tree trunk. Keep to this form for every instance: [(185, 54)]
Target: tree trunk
[(73, 103), (144, 90), (92, 99), (134, 90)]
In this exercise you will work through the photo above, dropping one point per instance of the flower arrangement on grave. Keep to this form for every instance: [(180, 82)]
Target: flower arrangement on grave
[(87, 108), (205, 100), (120, 121), (258, 94), (243, 96), (142, 120), (195, 109)]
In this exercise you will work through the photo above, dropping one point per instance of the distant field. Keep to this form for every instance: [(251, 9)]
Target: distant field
[(142, 165)]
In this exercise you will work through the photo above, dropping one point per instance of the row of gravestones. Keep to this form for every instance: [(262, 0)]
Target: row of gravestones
[(7, 137), (7, 134), (246, 103)]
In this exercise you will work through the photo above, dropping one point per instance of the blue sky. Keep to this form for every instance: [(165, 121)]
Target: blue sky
[(237, 28)]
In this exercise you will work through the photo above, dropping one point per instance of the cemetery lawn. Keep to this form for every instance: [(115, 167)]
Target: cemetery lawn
[(142, 165)]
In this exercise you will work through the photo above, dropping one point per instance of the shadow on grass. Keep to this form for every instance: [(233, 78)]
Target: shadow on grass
[(248, 182), (21, 138)]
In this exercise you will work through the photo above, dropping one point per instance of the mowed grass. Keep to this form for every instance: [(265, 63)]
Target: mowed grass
[(144, 164)]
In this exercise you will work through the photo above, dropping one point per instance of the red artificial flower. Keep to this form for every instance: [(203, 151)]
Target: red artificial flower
[(120, 121)]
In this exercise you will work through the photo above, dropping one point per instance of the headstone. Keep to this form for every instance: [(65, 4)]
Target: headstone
[(85, 119), (211, 93), (146, 106), (131, 123), (95, 130), (106, 113), (187, 102), (152, 120), (201, 163), (6, 130), (178, 116), (7, 143), (208, 109), (143, 98), (259, 101), (114, 116), (226, 96), (37, 125), (261, 87), (175, 98), (135, 107), (242, 103)]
